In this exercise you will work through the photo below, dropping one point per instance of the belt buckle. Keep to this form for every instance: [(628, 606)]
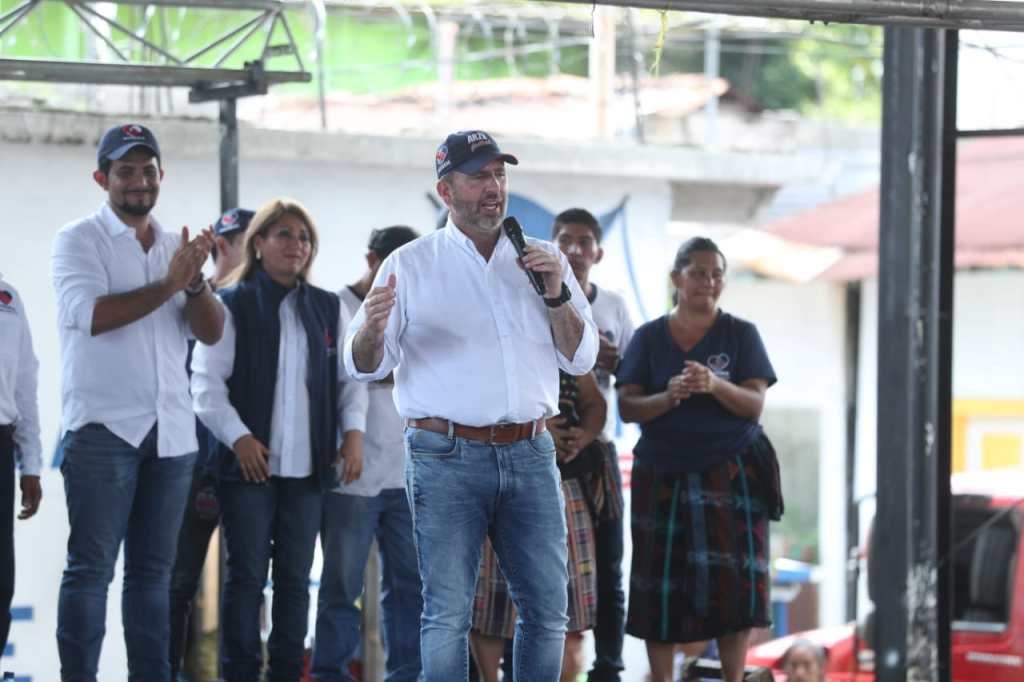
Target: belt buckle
[(502, 428)]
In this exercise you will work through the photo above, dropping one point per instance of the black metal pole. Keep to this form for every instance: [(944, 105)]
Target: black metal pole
[(228, 154), (944, 415), (912, 521), (853, 306)]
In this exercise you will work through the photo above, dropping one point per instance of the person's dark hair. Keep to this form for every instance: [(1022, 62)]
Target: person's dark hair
[(693, 245), (384, 240), (819, 652), (104, 165), (578, 216)]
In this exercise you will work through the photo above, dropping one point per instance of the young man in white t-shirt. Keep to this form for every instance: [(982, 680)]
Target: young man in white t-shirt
[(372, 506), (578, 234)]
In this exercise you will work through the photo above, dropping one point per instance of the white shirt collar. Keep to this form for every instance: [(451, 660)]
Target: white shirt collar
[(461, 239), (115, 226)]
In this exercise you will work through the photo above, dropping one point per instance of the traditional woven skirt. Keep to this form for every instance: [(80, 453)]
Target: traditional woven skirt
[(700, 548), (493, 612)]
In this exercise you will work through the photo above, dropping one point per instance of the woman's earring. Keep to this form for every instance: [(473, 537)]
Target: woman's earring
[(259, 256)]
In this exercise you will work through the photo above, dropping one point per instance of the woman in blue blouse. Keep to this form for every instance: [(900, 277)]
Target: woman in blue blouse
[(705, 479)]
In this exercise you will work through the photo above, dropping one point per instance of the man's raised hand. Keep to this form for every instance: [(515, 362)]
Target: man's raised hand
[(378, 304), (187, 262)]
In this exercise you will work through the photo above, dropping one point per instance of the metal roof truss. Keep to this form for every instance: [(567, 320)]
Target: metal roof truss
[(994, 15), (137, 60)]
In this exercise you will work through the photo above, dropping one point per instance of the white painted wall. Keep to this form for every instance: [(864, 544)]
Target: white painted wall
[(802, 328), (988, 329)]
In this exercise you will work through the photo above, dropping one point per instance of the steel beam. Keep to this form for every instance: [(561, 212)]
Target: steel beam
[(1002, 15), (133, 74), (912, 523)]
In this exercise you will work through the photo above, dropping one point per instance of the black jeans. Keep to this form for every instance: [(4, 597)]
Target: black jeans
[(202, 513), (6, 531), (611, 599)]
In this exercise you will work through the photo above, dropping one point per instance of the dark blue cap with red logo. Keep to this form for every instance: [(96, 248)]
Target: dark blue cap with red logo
[(121, 139), (235, 220), (467, 151)]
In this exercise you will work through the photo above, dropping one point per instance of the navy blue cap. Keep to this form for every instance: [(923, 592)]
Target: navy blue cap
[(467, 151), (121, 139), (235, 220)]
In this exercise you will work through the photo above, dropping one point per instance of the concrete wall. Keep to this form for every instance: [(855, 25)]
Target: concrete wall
[(802, 328), (988, 328)]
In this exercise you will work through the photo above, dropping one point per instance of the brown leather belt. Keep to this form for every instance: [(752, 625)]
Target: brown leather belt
[(496, 434)]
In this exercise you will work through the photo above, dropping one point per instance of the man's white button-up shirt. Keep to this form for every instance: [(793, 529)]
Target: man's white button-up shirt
[(469, 339), (133, 377)]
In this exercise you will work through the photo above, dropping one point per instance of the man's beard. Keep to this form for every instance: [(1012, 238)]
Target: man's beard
[(471, 219), (135, 209)]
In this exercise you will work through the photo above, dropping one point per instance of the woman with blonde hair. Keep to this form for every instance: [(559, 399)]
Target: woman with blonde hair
[(274, 395)]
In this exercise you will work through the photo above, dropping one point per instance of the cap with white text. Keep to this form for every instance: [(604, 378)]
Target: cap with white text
[(467, 151)]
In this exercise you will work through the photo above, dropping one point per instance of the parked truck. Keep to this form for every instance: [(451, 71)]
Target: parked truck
[(988, 592)]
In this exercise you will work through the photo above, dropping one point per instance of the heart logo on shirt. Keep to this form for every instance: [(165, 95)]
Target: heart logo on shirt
[(6, 297), (718, 362)]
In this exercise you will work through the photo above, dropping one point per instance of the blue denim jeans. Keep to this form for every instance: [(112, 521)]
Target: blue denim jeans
[(461, 492), (277, 521), (350, 523), (116, 493), (202, 514), (611, 598)]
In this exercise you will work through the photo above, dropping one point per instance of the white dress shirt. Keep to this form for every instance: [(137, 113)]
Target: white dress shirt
[(133, 377), (19, 375), (611, 315), (469, 339), (290, 451), (384, 441)]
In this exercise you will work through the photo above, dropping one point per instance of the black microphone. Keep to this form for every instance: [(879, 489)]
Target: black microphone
[(515, 235)]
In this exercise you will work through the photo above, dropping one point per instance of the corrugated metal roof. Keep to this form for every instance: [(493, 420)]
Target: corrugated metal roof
[(989, 215)]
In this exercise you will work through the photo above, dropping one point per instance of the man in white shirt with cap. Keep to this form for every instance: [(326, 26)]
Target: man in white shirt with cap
[(129, 297), (475, 353)]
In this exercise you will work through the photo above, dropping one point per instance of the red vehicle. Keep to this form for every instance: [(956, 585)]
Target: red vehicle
[(988, 593)]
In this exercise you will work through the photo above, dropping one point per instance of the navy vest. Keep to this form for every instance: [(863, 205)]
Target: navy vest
[(254, 304)]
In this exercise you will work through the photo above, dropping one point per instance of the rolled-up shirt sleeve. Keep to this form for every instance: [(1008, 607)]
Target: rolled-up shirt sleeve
[(211, 369), (586, 352), (353, 396), (26, 432), (79, 279), (392, 333)]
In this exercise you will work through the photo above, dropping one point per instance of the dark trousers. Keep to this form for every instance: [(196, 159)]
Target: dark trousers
[(271, 524), (6, 531), (202, 513), (611, 599)]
